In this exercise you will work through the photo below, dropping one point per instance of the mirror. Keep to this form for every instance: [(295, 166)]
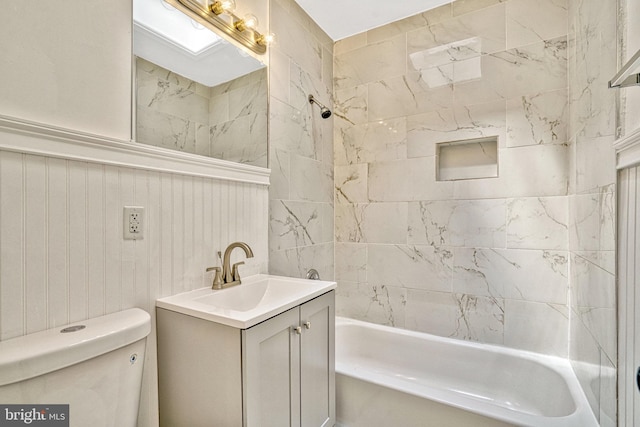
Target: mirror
[(194, 91)]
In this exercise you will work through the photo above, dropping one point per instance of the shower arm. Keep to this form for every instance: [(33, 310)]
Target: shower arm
[(324, 111)]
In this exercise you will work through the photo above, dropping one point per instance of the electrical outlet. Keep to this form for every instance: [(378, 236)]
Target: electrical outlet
[(133, 222)]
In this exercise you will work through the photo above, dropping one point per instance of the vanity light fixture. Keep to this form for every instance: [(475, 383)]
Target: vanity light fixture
[(220, 7), (220, 15)]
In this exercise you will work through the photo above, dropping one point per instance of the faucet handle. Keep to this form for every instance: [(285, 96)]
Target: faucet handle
[(234, 270), (217, 277)]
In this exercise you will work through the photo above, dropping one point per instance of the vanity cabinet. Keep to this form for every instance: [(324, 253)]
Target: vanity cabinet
[(277, 373)]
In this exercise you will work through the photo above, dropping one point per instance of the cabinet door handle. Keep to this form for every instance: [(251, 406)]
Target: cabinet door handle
[(297, 330), (307, 325)]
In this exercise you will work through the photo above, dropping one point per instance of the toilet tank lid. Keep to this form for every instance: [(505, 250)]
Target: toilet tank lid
[(36, 354)]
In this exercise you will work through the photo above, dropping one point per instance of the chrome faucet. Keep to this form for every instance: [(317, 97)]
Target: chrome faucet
[(230, 273)]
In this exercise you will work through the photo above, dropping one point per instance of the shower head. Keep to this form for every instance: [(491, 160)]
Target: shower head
[(324, 111)]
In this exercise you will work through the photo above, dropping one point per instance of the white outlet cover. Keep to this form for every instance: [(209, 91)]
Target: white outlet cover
[(133, 222)]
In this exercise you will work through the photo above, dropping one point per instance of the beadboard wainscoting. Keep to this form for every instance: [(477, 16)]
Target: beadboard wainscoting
[(63, 258), (628, 270)]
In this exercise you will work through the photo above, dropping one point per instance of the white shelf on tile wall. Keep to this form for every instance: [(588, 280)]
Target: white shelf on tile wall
[(39, 139), (628, 150), (467, 159)]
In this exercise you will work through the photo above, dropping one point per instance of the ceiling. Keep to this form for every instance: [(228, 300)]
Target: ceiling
[(344, 18)]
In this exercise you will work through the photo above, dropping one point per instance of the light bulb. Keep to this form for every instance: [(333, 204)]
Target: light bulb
[(229, 5), (265, 39), (249, 21), (223, 6)]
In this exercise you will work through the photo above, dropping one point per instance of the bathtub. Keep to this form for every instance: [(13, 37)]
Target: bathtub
[(392, 377)]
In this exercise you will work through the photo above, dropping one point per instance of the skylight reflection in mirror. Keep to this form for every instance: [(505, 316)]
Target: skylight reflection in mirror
[(173, 26)]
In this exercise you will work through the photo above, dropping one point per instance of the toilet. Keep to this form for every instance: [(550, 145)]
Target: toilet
[(94, 366)]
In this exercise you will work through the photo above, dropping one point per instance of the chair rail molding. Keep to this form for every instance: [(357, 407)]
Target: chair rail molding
[(39, 139), (628, 150)]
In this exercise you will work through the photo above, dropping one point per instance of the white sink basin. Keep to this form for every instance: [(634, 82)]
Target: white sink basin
[(258, 298)]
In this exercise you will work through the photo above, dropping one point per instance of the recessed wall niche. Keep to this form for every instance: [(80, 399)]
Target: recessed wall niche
[(467, 159)]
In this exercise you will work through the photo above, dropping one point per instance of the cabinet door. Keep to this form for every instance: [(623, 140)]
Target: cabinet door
[(271, 372), (317, 359)]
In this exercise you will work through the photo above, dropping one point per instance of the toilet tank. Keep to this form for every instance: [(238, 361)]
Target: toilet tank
[(94, 366)]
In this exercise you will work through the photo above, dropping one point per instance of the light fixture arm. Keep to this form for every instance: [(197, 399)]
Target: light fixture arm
[(240, 25), (217, 7)]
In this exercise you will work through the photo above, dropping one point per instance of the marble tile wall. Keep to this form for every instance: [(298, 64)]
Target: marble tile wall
[(228, 121), (480, 259), (630, 10), (593, 60), (301, 226), (238, 117)]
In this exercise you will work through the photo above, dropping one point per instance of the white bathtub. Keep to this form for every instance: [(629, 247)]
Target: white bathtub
[(392, 377)]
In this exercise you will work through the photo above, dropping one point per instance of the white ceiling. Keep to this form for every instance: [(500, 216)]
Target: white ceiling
[(344, 18)]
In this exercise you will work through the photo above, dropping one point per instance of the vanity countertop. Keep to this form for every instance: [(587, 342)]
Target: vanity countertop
[(258, 298)]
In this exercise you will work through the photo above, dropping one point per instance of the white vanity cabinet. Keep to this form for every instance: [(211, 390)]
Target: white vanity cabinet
[(279, 372)]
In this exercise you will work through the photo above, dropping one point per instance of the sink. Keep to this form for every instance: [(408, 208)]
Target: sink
[(257, 299), (267, 291)]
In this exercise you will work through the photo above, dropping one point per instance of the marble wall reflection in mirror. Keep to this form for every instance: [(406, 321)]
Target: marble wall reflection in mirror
[(196, 92)]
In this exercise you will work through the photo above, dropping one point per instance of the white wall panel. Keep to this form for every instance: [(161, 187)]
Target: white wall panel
[(96, 240), (77, 238), (12, 246), (35, 249), (68, 64), (62, 253), (57, 235), (113, 239), (628, 273)]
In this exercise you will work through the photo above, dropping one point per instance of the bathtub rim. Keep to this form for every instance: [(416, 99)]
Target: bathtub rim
[(582, 415)]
